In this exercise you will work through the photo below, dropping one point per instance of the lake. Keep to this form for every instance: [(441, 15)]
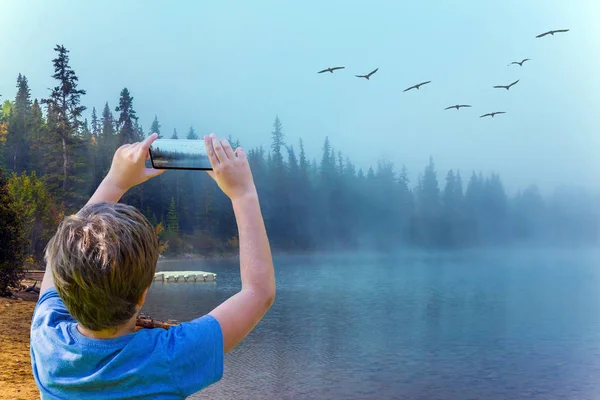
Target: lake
[(513, 324)]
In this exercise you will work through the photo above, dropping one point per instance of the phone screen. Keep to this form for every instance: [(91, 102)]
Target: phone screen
[(179, 154)]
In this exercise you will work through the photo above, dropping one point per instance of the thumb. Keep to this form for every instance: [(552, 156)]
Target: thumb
[(211, 173), (151, 172)]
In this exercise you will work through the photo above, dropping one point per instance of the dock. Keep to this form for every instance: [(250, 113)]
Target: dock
[(185, 276)]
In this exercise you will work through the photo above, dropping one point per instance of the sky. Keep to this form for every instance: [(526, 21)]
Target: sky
[(231, 67)]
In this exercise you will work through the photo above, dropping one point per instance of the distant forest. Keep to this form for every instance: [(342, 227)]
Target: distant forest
[(53, 159)]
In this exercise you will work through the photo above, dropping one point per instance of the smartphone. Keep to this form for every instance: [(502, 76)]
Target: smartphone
[(179, 154)]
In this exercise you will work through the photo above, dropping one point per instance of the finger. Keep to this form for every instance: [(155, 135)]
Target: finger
[(134, 151), (212, 156), (134, 147), (151, 172), (218, 148), (124, 147), (146, 143), (211, 174), (227, 148)]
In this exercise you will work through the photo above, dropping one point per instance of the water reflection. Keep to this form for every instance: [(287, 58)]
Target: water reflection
[(492, 325)]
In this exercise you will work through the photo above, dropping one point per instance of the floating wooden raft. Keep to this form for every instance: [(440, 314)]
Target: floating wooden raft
[(185, 276), (146, 322)]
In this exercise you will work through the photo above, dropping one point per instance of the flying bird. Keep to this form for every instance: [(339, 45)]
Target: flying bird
[(368, 75), (417, 86), (330, 69), (492, 114), (457, 106), (520, 63), (507, 87), (552, 32)]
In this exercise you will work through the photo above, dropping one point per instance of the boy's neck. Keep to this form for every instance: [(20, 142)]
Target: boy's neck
[(125, 329)]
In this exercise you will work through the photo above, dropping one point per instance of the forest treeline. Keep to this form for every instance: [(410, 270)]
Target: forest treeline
[(53, 158)]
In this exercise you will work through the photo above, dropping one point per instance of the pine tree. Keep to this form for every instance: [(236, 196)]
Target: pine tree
[(192, 134), (95, 123), (64, 113), (327, 169), (371, 174), (127, 122), (174, 136), (155, 127), (293, 168), (428, 208), (37, 132), (333, 161), (93, 155), (139, 132), (340, 162), (452, 211), (18, 136), (108, 139), (172, 218), (277, 144)]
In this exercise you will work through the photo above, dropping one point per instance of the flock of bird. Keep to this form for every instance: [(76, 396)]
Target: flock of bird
[(457, 106)]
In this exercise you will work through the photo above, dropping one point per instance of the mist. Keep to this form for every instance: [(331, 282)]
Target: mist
[(227, 72), (348, 162)]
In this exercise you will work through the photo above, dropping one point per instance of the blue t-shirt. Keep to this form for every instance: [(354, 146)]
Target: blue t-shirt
[(151, 363)]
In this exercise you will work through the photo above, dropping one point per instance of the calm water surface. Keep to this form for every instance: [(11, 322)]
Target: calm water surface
[(472, 325)]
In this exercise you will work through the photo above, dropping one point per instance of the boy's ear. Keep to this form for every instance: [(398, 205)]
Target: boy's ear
[(142, 299)]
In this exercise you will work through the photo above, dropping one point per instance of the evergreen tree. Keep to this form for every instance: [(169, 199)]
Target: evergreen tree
[(139, 132), (172, 218), (303, 162), (428, 208), (127, 122), (64, 116), (276, 144), (18, 136), (108, 139), (192, 134), (95, 123), (174, 136), (452, 202), (327, 169), (38, 133), (155, 127), (494, 210)]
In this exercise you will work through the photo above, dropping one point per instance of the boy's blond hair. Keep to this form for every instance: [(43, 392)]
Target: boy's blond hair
[(103, 259)]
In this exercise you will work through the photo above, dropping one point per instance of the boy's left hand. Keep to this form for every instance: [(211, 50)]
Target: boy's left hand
[(129, 164)]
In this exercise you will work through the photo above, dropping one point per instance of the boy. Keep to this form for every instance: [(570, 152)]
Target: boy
[(100, 264)]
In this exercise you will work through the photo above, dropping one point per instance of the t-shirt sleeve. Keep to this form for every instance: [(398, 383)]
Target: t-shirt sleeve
[(195, 354), (50, 310)]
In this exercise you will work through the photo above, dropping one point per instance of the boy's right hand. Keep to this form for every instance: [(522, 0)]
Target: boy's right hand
[(231, 169)]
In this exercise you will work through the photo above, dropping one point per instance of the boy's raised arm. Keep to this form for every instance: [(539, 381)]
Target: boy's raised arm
[(239, 314), (128, 169)]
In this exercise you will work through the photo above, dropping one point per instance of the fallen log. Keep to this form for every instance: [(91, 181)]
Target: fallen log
[(146, 322)]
